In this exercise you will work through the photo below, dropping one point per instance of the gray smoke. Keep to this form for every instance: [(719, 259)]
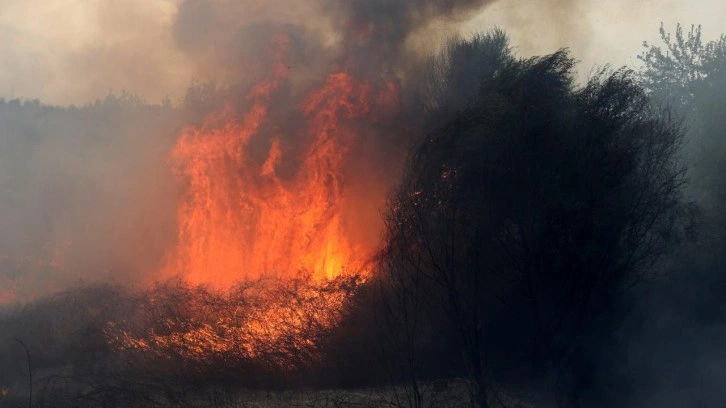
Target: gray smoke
[(86, 193), (223, 37)]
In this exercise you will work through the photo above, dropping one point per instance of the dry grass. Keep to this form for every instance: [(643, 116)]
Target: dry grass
[(62, 393)]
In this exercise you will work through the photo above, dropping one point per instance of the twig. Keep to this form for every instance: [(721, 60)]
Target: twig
[(30, 373)]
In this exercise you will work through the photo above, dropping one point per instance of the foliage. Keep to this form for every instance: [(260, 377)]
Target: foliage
[(680, 319), (537, 201), (103, 342), (676, 74), (690, 75)]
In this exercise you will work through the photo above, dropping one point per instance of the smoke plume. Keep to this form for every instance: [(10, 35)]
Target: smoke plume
[(93, 197)]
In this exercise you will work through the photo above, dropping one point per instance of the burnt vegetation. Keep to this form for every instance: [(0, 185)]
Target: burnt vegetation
[(549, 242)]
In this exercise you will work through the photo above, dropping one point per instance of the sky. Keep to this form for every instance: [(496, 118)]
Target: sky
[(598, 32), (74, 51)]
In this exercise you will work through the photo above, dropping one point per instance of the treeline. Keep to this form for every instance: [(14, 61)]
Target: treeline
[(72, 178)]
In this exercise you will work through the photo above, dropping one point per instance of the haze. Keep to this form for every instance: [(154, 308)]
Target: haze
[(72, 51)]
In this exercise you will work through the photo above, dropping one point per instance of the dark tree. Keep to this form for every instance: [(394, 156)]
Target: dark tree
[(529, 210), (682, 317), (690, 75), (685, 69)]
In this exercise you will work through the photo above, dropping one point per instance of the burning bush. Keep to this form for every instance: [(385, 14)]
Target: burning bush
[(269, 324)]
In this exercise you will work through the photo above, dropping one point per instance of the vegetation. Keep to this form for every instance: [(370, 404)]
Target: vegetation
[(681, 318), (690, 77), (537, 203)]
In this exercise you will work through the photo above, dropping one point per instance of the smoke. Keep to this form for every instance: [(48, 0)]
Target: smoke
[(74, 52), (223, 38), (543, 27), (87, 192)]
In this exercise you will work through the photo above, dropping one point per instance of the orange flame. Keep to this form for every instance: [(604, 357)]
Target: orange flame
[(285, 216), (277, 323), (239, 219)]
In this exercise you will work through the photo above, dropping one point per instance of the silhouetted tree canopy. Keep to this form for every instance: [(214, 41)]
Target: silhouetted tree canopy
[(690, 76), (537, 198), (686, 68), (681, 320)]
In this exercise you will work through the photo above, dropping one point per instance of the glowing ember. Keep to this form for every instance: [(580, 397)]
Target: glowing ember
[(275, 323)]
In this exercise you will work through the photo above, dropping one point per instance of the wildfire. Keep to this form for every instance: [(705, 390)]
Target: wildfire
[(269, 323), (242, 219), (239, 219)]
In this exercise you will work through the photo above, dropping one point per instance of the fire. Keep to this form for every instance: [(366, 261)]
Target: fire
[(271, 323), (240, 220), (266, 232)]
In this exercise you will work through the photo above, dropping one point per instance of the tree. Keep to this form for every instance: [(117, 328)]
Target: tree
[(530, 209), (687, 65), (674, 318), (690, 76)]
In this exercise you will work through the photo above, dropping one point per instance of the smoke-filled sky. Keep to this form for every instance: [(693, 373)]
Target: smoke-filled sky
[(74, 51)]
